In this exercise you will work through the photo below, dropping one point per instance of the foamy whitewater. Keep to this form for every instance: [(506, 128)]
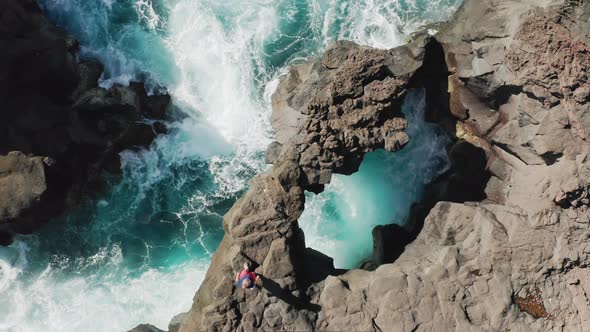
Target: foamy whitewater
[(138, 252)]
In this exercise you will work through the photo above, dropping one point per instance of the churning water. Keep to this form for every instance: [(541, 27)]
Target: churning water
[(139, 251)]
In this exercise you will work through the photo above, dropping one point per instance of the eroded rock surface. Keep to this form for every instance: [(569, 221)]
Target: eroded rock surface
[(335, 110), (52, 107), (517, 259)]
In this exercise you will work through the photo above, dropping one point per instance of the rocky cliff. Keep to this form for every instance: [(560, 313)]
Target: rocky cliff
[(501, 240), (58, 130), (336, 109)]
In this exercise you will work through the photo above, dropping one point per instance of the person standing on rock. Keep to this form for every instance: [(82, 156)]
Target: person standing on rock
[(246, 278)]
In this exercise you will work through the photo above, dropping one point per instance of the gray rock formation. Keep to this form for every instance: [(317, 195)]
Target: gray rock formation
[(335, 109), (518, 259), (515, 258), (51, 107), (175, 323), (145, 328), (389, 242), (466, 271), (23, 183)]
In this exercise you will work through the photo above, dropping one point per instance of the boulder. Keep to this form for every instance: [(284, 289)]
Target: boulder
[(23, 184), (273, 152)]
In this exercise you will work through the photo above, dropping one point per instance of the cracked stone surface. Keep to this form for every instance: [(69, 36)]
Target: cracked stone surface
[(517, 260)]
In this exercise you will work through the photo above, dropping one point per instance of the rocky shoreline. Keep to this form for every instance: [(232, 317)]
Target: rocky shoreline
[(59, 129), (500, 240)]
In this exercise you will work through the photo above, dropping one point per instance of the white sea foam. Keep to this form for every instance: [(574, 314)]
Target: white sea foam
[(52, 300), (211, 55), (339, 221), (377, 23), (146, 12), (216, 61), (109, 3)]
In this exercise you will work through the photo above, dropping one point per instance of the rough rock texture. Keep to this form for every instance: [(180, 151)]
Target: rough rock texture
[(389, 242), (336, 109), (22, 183), (175, 322), (51, 107), (463, 273), (145, 328), (518, 259)]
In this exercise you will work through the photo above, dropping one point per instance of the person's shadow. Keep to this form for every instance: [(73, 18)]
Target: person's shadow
[(275, 290)]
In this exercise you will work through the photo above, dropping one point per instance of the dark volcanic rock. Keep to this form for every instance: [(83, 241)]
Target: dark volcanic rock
[(175, 322), (327, 114), (35, 55), (389, 242), (517, 90), (51, 106), (348, 103), (510, 252), (145, 328)]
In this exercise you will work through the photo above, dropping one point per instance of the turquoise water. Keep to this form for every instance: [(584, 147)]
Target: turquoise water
[(339, 221), (138, 252)]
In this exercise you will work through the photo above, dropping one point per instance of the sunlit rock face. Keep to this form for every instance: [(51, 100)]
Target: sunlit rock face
[(463, 271), (338, 108)]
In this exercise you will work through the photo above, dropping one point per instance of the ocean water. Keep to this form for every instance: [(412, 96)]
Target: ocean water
[(339, 221), (138, 252)]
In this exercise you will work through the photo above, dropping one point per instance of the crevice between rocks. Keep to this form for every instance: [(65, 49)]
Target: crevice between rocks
[(328, 140), (466, 178)]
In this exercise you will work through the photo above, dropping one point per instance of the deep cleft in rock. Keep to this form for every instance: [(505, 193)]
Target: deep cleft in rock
[(328, 114), (500, 239)]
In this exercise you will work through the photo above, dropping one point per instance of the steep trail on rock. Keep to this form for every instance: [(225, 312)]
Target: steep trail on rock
[(148, 239)]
